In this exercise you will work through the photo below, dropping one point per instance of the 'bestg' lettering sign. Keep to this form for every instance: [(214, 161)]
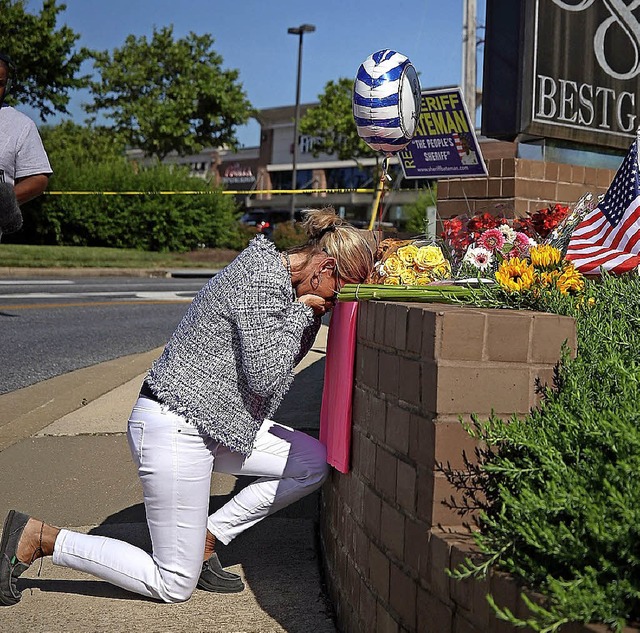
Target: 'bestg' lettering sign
[(444, 144), (573, 65)]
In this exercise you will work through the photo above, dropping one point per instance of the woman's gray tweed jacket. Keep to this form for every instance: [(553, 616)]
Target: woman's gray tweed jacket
[(230, 361)]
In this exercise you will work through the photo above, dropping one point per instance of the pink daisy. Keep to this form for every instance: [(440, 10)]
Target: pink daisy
[(492, 240), (521, 246)]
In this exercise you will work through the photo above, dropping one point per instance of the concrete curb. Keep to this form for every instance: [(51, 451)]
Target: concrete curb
[(30, 409)]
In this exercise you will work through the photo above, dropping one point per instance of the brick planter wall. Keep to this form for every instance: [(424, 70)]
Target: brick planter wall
[(387, 531)]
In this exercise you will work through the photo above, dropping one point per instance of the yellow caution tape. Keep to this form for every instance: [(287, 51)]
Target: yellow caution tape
[(200, 193)]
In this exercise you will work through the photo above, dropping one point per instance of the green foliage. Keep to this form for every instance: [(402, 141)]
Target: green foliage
[(562, 508), (331, 123), (167, 94), (416, 211), (68, 143), (287, 235), (87, 160), (47, 64)]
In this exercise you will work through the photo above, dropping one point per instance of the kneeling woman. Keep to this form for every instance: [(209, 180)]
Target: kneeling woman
[(205, 406)]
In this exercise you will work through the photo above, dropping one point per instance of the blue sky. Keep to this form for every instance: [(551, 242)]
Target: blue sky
[(251, 36)]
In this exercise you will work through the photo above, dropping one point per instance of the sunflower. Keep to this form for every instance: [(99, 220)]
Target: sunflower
[(515, 275), (545, 256), (547, 278), (570, 281)]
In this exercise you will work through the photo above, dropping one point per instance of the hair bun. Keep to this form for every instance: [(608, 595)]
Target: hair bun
[(319, 222)]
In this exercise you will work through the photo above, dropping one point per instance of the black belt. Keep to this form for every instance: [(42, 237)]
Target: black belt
[(146, 392)]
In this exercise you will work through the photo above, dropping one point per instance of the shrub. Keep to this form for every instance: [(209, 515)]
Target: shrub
[(416, 212), (562, 508), (286, 235), (83, 161)]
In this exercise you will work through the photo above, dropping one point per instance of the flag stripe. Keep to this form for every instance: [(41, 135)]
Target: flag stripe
[(609, 236)]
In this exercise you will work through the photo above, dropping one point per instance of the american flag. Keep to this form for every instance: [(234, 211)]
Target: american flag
[(609, 236)]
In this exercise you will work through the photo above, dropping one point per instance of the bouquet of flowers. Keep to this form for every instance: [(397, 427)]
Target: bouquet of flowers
[(492, 247), (409, 263), (519, 270), (463, 231), (543, 269)]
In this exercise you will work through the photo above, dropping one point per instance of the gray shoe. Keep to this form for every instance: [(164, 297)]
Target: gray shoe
[(216, 579), (10, 566)]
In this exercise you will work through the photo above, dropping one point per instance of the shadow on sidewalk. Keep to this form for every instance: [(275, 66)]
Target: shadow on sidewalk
[(278, 557)]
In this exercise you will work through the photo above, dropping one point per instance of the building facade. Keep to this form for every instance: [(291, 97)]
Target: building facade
[(262, 176)]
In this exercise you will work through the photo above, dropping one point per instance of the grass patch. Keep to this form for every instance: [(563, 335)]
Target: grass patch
[(28, 256)]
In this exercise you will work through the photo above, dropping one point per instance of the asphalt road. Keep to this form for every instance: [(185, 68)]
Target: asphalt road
[(52, 326)]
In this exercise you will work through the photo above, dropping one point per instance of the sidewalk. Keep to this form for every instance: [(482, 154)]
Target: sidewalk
[(64, 458)]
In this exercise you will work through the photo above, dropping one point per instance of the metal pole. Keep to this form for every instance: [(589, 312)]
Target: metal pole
[(299, 31), (469, 41), (294, 172)]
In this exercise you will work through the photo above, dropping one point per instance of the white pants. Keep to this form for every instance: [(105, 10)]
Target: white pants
[(175, 462)]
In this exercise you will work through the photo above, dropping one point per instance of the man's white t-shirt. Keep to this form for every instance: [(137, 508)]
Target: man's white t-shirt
[(21, 150)]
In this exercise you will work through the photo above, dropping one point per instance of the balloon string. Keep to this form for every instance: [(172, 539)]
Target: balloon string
[(376, 208)]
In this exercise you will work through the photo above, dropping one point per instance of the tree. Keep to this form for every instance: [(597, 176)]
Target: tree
[(80, 144), (331, 124), (47, 64), (167, 95)]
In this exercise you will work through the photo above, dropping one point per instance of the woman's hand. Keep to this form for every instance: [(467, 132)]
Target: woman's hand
[(319, 305)]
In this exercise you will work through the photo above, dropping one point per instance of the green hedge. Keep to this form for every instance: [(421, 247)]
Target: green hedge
[(562, 508), (147, 221)]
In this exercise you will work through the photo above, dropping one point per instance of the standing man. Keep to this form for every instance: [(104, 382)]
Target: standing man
[(23, 160)]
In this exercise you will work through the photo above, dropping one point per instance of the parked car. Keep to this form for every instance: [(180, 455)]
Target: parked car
[(265, 219)]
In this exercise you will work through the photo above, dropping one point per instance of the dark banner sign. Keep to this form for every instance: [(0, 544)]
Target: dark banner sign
[(568, 69), (445, 144)]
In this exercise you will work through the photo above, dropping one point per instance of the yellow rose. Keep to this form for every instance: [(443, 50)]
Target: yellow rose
[(423, 280), (407, 254), (393, 265), (428, 257), (442, 271), (391, 280), (408, 277)]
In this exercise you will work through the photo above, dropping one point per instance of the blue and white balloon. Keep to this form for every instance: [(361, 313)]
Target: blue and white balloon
[(386, 101)]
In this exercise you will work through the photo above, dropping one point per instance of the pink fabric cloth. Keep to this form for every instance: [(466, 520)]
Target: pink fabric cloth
[(335, 413)]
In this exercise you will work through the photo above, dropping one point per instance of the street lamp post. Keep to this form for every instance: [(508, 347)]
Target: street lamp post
[(300, 31)]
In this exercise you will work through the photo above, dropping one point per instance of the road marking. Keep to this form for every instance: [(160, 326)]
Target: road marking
[(85, 304), (34, 282), (159, 295)]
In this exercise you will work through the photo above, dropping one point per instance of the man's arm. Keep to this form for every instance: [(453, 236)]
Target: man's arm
[(30, 187)]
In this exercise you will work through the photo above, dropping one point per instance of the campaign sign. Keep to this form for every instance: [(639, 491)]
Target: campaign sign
[(444, 144)]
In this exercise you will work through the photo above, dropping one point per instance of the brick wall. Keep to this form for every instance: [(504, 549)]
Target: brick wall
[(387, 527), (516, 186)]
